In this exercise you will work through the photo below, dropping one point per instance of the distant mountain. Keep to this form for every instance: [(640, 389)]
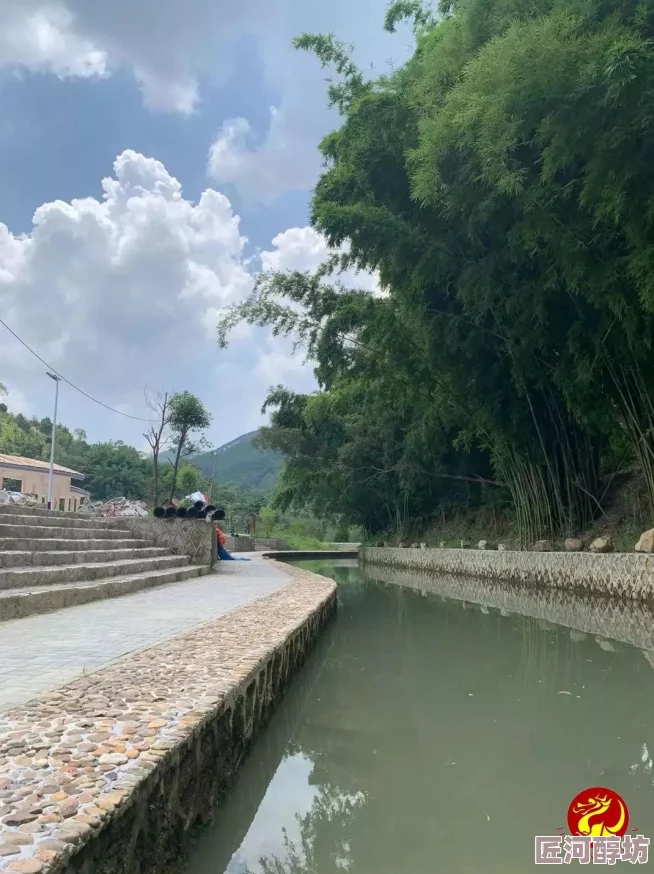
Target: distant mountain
[(240, 463)]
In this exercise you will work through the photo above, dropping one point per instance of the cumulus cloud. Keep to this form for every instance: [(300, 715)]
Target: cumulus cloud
[(124, 291), (118, 281), (306, 250), (287, 159)]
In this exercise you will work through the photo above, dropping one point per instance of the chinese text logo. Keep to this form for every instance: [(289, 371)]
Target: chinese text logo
[(598, 819)]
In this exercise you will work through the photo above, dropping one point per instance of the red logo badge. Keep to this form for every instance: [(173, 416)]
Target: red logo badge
[(598, 811)]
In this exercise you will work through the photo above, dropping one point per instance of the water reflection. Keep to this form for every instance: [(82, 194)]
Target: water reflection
[(431, 734)]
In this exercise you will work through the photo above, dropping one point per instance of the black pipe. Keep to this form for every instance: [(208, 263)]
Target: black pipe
[(202, 514), (171, 512), (218, 515), (199, 505), (192, 513), (210, 509), (181, 513), (159, 512)]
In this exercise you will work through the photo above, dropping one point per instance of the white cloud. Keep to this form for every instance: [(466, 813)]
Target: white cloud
[(296, 249), (305, 249), (124, 292), (116, 293), (122, 277), (171, 47), (287, 160), (286, 157), (166, 45), (14, 398), (42, 38)]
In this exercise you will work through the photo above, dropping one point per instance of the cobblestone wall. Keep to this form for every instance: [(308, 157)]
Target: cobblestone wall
[(623, 575), (194, 538), (111, 774)]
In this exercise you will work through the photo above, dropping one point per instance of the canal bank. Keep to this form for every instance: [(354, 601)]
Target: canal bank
[(428, 733), (110, 774), (617, 575)]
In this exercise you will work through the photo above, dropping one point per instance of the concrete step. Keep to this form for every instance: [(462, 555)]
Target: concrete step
[(19, 578), (22, 544), (28, 558), (40, 510), (58, 520), (31, 531), (18, 603)]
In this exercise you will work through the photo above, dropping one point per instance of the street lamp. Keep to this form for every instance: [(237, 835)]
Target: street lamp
[(52, 441)]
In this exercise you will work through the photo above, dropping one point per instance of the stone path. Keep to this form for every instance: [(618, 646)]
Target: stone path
[(40, 653)]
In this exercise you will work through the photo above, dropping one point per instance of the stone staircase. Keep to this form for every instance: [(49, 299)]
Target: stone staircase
[(50, 560)]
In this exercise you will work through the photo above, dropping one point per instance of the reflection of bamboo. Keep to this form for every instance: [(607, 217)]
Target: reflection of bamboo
[(234, 816), (630, 622)]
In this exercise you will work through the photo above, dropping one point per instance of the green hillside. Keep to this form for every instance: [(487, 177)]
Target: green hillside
[(240, 463)]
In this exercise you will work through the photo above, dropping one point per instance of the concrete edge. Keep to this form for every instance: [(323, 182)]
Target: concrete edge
[(309, 554), (195, 702)]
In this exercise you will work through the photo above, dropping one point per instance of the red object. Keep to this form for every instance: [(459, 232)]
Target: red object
[(598, 811), (221, 535)]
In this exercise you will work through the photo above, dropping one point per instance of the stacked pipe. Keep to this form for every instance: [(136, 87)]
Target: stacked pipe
[(198, 511)]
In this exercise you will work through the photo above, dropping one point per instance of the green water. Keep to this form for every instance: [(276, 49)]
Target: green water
[(430, 734)]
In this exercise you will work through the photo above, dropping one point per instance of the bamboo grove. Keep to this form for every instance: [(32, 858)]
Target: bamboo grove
[(500, 184)]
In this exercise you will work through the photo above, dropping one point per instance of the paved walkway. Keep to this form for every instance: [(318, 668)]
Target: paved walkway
[(39, 653)]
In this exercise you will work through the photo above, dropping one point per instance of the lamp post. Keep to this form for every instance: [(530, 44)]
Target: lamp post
[(52, 441)]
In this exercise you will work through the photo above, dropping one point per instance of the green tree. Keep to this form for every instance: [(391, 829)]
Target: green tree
[(269, 518), (112, 470), (187, 418), (499, 185), (189, 479)]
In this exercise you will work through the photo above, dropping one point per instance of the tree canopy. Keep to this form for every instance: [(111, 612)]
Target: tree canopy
[(499, 185)]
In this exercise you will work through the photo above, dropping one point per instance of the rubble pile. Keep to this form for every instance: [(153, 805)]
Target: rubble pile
[(18, 498), (120, 507)]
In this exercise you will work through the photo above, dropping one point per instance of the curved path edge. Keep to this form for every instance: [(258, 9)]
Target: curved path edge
[(111, 773)]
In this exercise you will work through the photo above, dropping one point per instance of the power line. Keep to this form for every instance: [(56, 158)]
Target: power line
[(68, 382)]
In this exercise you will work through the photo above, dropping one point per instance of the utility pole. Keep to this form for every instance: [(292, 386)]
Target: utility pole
[(52, 440)]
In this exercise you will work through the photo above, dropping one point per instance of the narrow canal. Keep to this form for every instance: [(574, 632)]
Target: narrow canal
[(430, 734)]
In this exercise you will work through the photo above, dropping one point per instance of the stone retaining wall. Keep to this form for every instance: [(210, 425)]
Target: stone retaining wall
[(111, 774), (194, 538), (622, 575), (241, 543), (261, 544)]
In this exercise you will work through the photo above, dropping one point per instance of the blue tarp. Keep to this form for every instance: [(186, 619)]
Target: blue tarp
[(225, 556)]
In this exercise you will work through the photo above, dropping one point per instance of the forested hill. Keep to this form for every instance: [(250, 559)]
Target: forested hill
[(241, 463)]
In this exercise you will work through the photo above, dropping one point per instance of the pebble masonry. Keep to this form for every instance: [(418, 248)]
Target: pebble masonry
[(618, 575), (110, 773)]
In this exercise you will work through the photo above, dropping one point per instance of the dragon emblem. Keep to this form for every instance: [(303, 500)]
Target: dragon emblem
[(598, 812)]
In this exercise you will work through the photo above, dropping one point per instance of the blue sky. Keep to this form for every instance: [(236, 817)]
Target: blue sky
[(119, 284)]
